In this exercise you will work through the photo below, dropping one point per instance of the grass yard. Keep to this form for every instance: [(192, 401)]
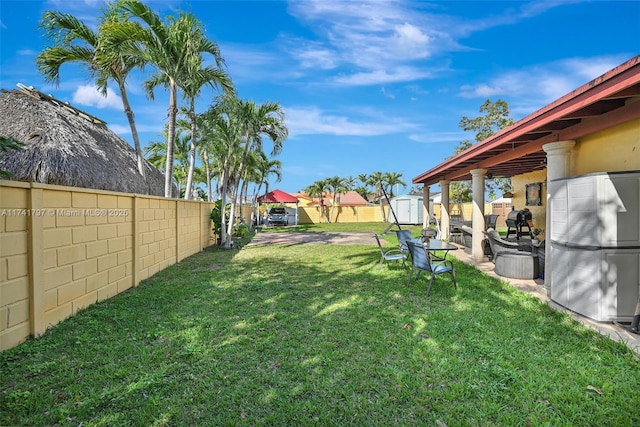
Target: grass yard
[(318, 335)]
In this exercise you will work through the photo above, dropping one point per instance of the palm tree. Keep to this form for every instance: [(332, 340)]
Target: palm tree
[(7, 144), (172, 49), (350, 183), (391, 179), (255, 122), (227, 148), (317, 189), (206, 128), (156, 154), (376, 179), (265, 168), (197, 78), (104, 57), (336, 185), (363, 189), (249, 175)]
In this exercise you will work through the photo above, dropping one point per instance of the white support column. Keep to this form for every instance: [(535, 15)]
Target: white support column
[(558, 158), (426, 204), (477, 216), (444, 210), (558, 166)]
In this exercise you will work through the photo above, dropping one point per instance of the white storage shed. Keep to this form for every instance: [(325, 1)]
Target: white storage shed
[(408, 209)]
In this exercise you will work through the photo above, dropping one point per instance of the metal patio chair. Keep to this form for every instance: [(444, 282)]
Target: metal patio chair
[(390, 254), (404, 236), (421, 261)]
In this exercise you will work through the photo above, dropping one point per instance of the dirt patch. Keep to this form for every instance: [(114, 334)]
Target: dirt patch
[(313, 239)]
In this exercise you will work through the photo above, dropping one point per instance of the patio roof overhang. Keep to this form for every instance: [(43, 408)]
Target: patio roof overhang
[(609, 100)]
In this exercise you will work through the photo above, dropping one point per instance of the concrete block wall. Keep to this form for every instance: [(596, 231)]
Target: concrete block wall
[(343, 214), (86, 249), (156, 221), (14, 266), (189, 226), (63, 249)]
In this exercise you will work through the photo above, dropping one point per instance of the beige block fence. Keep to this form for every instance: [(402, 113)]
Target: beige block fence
[(64, 248), (342, 214)]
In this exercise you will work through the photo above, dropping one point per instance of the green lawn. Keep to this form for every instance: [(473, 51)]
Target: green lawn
[(318, 335)]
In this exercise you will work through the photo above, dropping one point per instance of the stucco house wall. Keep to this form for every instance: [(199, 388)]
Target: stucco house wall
[(613, 150)]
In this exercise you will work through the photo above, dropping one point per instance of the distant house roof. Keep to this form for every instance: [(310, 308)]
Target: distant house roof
[(66, 146), (277, 196), (607, 101), (350, 198)]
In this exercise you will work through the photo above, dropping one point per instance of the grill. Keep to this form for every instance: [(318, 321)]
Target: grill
[(517, 221)]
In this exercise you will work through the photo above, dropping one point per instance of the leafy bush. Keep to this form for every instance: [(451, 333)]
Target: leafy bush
[(216, 218)]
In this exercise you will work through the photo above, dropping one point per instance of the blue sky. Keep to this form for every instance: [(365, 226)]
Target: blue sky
[(365, 86)]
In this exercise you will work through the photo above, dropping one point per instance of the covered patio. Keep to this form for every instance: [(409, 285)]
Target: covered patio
[(591, 130)]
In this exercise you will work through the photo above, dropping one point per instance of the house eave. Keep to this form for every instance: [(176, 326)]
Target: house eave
[(609, 100)]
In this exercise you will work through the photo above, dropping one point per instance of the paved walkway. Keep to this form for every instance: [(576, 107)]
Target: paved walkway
[(325, 238), (536, 288)]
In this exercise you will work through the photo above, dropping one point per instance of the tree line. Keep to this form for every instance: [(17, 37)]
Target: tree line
[(227, 137), (370, 186)]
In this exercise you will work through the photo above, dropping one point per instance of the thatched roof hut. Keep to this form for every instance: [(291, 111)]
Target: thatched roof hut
[(66, 146)]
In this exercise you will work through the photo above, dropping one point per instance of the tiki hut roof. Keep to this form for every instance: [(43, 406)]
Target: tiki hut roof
[(66, 146)]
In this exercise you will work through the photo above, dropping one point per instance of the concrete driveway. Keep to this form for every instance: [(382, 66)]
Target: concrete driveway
[(299, 238)]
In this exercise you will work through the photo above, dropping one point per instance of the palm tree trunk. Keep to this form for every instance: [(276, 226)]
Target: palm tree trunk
[(171, 137), (192, 153), (243, 196), (225, 178), (232, 215), (207, 168), (254, 204), (223, 197), (132, 125), (237, 177)]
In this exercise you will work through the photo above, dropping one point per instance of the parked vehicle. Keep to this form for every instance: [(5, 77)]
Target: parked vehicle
[(278, 216)]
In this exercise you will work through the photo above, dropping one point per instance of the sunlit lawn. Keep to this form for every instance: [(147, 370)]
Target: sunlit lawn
[(318, 335)]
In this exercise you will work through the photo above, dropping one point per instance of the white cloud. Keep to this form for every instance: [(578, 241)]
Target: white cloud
[(88, 95), (543, 83), (411, 41), (381, 76), (369, 35), (437, 137), (317, 58), (482, 90), (314, 121), (364, 40)]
